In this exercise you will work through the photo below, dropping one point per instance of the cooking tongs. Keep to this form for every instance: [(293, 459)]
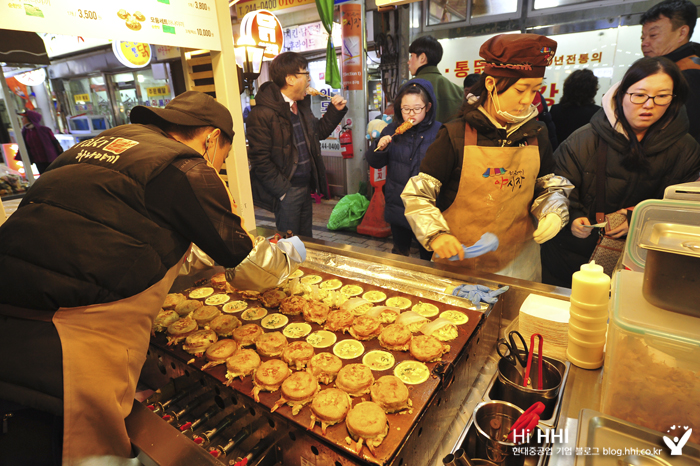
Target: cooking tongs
[(540, 385)]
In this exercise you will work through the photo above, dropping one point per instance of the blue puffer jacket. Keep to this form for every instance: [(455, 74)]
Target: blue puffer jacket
[(404, 154)]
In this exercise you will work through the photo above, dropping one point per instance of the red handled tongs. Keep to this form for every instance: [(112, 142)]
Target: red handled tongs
[(527, 421), (540, 386)]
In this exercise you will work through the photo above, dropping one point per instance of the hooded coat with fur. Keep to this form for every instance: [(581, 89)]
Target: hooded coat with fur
[(403, 155)]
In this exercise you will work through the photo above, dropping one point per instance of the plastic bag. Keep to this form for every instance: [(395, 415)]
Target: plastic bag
[(348, 213)]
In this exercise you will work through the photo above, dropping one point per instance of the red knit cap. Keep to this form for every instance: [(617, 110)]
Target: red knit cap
[(517, 55)]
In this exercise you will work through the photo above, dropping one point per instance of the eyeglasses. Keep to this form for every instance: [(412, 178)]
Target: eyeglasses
[(414, 111), (305, 73), (661, 100)]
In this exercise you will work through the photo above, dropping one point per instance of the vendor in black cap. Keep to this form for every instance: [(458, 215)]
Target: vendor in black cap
[(491, 169), (86, 262)]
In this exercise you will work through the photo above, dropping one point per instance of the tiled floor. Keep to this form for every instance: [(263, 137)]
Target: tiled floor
[(321, 214)]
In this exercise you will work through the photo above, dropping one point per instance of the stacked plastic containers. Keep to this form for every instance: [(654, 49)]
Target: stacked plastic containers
[(588, 320)]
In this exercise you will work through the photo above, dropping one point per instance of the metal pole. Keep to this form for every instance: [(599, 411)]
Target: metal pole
[(227, 93), (12, 111)]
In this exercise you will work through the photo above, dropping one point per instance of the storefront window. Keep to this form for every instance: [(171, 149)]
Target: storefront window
[(542, 4), (125, 95), (154, 92), (446, 11), (88, 96), (494, 7)]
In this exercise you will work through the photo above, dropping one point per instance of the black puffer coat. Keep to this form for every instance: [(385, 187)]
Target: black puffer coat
[(404, 156), (673, 155), (271, 150)]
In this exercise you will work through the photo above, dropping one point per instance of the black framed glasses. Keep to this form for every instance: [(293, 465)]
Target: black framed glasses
[(305, 73), (661, 100), (415, 111)]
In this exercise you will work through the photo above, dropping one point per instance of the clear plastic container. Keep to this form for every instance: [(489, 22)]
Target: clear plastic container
[(651, 374), (647, 214)]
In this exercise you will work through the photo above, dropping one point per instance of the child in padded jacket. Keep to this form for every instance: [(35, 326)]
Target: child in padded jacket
[(402, 155)]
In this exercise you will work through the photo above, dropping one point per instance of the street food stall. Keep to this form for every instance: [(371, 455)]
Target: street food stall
[(459, 403)]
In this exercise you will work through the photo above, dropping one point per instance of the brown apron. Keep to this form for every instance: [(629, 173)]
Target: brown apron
[(495, 193), (102, 362)]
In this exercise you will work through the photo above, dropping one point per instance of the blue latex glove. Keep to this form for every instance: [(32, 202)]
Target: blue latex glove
[(479, 293), (296, 243), (487, 243)]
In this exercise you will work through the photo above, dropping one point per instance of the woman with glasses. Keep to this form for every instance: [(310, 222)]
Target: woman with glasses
[(491, 169), (642, 131), (402, 155)]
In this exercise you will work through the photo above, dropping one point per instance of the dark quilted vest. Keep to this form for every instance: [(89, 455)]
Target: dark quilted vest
[(82, 234)]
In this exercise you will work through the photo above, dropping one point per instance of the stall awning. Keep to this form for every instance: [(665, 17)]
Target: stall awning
[(20, 47)]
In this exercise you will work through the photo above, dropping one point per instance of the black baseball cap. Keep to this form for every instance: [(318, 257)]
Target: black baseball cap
[(191, 108)]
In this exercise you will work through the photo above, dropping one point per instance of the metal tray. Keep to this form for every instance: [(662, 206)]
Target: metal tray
[(472, 450), (606, 441), (493, 392), (401, 425)]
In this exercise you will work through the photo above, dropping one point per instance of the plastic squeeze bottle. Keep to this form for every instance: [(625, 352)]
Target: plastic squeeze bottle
[(590, 293)]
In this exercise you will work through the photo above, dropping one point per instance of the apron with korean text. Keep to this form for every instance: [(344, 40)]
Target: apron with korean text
[(104, 348), (496, 190)]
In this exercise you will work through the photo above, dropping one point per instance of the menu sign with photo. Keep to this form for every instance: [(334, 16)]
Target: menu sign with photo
[(182, 23)]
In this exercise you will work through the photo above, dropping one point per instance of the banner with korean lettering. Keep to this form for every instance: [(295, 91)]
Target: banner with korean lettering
[(183, 23), (607, 52), (352, 47)]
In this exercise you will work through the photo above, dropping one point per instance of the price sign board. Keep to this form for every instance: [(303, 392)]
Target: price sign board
[(157, 91), (81, 98), (184, 23)]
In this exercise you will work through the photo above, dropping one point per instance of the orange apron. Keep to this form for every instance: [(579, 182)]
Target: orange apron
[(495, 193), (101, 364)]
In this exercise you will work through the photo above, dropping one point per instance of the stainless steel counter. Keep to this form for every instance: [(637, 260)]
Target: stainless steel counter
[(439, 429)]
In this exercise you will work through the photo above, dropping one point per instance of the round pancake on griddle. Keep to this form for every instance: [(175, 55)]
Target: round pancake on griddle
[(271, 344), (269, 376), (339, 321), (366, 328), (245, 335), (390, 393), (396, 337), (427, 348), (316, 312), (187, 307), (205, 314), (293, 305), (355, 379), (330, 406), (164, 319), (242, 363), (367, 422), (198, 342), (178, 331), (297, 354), (224, 325), (172, 300), (272, 298), (297, 390), (325, 366)]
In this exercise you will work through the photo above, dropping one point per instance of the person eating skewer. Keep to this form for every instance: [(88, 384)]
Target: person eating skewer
[(414, 128)]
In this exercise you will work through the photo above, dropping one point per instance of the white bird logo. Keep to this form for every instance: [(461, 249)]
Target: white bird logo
[(675, 445)]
